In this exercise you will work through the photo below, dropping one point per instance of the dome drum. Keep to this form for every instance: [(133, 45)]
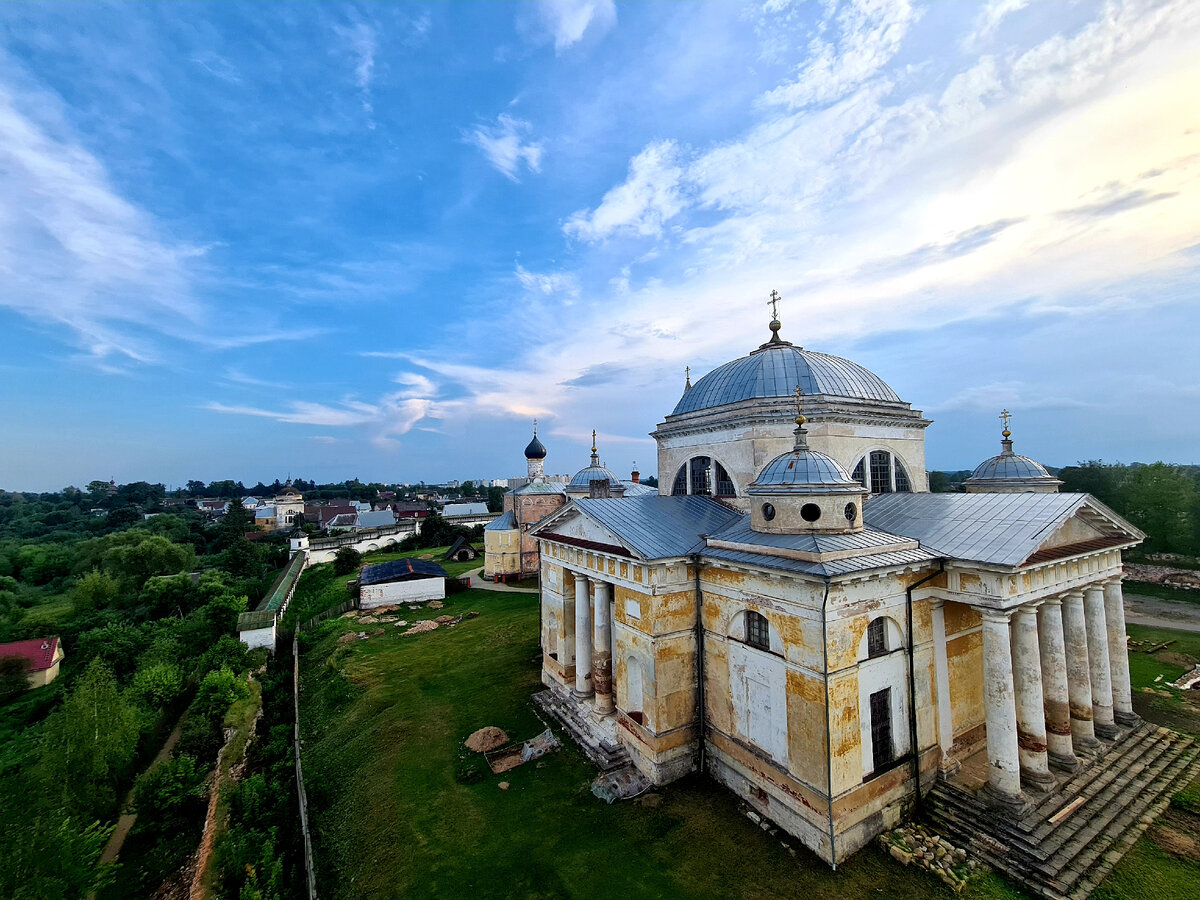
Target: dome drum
[(839, 513)]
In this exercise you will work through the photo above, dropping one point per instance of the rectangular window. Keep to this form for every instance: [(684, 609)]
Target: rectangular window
[(877, 638), (881, 472), (881, 729), (758, 634)]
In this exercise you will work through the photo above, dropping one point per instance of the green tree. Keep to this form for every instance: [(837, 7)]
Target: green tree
[(1160, 499), (495, 499), (157, 686), (89, 742), (346, 560), (171, 794), (154, 555), (14, 678), (95, 590)]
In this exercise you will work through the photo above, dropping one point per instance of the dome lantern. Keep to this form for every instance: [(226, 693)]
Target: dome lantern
[(1010, 473)]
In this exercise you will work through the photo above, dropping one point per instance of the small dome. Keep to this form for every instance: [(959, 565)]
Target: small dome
[(774, 370), (1009, 472), (535, 450), (584, 477), (803, 471)]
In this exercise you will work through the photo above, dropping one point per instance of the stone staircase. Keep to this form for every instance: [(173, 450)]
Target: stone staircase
[(1099, 812), (596, 738)]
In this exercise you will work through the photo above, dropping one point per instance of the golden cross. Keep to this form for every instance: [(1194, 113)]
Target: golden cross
[(774, 304), (593, 440), (1005, 415), (799, 399)]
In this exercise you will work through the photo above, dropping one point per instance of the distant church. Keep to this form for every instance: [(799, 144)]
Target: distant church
[(798, 616)]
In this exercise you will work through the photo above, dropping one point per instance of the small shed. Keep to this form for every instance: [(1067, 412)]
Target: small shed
[(401, 581), (39, 656), (461, 551)]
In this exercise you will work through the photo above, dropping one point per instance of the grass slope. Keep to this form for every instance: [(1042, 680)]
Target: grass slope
[(384, 722)]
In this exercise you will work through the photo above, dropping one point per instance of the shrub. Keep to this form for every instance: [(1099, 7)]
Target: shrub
[(171, 794), (157, 686)]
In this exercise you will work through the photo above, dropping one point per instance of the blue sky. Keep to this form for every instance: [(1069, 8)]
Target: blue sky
[(375, 241)]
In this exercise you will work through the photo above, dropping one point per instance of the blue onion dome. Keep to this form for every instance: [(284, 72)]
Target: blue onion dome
[(535, 450), (775, 369)]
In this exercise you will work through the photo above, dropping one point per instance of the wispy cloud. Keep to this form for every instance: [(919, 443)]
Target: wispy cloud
[(361, 41), (648, 198), (567, 21), (506, 147)]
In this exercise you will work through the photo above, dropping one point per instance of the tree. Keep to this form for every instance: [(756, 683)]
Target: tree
[(1160, 499), (157, 686), (346, 560), (171, 794), (196, 488), (495, 499), (89, 742), (14, 678), (95, 590), (134, 564)]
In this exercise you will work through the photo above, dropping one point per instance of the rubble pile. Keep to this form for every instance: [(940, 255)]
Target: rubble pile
[(921, 845)]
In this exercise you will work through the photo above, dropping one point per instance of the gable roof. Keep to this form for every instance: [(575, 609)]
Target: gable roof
[(653, 527), (376, 518), (465, 509), (38, 653), (401, 568), (1002, 529)]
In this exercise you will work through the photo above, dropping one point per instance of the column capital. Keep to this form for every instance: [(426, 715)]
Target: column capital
[(935, 602), (1114, 579), (997, 616), (1051, 601), (1072, 594)]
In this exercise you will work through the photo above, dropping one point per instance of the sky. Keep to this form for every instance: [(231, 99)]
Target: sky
[(376, 241)]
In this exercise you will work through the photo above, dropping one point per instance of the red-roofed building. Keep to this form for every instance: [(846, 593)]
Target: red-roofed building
[(40, 655)]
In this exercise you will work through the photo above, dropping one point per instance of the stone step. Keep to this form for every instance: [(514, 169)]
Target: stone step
[(1123, 790), (606, 755)]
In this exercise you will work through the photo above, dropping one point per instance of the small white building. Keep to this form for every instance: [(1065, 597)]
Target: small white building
[(401, 581)]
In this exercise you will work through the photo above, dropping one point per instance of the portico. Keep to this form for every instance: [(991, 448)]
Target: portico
[(1053, 668)]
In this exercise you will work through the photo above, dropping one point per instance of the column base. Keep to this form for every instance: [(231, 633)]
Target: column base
[(1128, 719), (583, 695), (1087, 747), (1106, 731), (604, 706), (1015, 805), (1064, 764), (949, 767), (1040, 782)]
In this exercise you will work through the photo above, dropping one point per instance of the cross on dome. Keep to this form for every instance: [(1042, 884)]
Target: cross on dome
[(1005, 415), (774, 304)]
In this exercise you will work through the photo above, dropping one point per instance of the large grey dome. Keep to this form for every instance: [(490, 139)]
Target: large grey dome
[(584, 477), (774, 370)]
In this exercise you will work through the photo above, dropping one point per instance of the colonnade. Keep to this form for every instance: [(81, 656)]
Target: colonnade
[(1055, 679), (593, 643)]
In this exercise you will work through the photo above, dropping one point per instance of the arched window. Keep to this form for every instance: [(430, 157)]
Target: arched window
[(706, 474), (758, 633), (881, 472), (877, 638)]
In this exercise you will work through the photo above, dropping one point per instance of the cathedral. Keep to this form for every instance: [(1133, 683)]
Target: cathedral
[(794, 613)]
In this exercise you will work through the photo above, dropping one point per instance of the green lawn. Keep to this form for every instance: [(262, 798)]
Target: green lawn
[(1161, 591), (397, 811)]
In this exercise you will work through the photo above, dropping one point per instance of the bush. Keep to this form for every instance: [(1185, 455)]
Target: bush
[(217, 692), (171, 795), (346, 560), (157, 686)]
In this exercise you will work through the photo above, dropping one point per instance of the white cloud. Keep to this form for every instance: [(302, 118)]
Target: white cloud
[(505, 146), (362, 42), (648, 198), (548, 283), (76, 254), (990, 17), (566, 21), (870, 33), (391, 416)]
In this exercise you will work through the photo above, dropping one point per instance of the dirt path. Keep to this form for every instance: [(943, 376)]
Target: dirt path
[(125, 824), (478, 582), (1155, 612)]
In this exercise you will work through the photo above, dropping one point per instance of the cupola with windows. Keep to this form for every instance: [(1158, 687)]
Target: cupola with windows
[(1009, 473), (805, 492)]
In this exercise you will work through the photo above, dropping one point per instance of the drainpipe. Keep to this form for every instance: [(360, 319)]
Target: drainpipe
[(912, 680), (700, 655), (828, 723)]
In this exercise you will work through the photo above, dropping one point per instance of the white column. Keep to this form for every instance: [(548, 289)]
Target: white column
[(583, 637), (1004, 771), (1056, 700), (1097, 641), (941, 673), (1079, 681), (602, 650), (1031, 717), (1118, 653)]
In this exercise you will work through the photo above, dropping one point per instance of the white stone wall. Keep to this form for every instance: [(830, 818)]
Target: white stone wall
[(259, 637), (416, 590)]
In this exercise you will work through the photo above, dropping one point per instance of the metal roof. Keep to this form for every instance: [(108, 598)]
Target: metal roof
[(658, 527), (541, 487), (376, 518), (776, 371), (740, 532), (465, 509), (637, 489), (1003, 529), (506, 522), (584, 477), (1010, 466), (831, 568), (805, 471), (401, 568)]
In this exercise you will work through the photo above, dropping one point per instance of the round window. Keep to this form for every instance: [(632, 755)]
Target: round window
[(768, 511), (851, 512), (810, 512)]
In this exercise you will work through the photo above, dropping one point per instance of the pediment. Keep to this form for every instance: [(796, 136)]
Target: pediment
[(570, 525), (1092, 526)]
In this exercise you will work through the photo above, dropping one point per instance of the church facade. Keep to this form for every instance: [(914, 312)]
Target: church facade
[(797, 615)]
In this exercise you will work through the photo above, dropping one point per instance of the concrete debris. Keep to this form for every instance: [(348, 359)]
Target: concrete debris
[(349, 615), (485, 739), (918, 844), (401, 624), (621, 784), (503, 785), (435, 604), (347, 637), (377, 632), (367, 620), (444, 620), (518, 754), (1188, 680), (421, 627)]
